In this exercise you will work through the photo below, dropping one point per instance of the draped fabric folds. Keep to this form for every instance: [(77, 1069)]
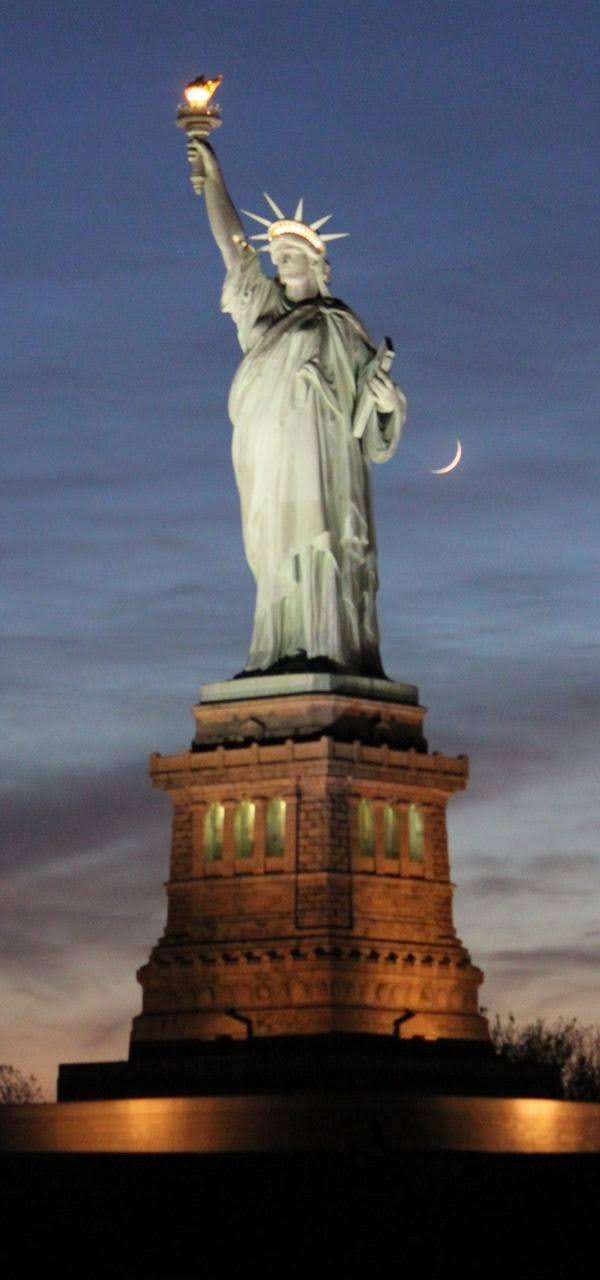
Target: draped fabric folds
[(302, 477)]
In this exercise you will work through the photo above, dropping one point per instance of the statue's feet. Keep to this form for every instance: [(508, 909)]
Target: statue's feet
[(299, 664)]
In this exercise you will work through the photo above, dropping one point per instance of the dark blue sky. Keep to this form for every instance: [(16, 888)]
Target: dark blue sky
[(457, 142)]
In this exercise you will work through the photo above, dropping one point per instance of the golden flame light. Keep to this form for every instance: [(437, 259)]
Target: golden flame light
[(200, 91)]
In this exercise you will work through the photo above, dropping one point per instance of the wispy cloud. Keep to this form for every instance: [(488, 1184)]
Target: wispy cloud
[(535, 961)]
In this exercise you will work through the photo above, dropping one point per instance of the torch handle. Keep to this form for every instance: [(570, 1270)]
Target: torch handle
[(197, 174), (198, 126)]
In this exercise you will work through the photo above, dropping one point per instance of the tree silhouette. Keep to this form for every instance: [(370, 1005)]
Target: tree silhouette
[(574, 1049), (17, 1087)]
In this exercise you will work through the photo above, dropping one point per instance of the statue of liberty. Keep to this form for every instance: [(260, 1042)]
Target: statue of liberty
[(300, 456)]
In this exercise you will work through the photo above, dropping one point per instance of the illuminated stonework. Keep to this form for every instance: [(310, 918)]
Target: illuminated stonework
[(309, 888)]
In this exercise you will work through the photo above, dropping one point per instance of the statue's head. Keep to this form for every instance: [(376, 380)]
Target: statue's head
[(297, 250), (303, 271)]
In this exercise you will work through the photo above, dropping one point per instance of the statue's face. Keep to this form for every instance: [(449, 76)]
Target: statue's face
[(295, 268)]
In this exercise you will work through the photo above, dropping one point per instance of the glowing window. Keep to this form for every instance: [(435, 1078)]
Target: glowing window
[(391, 844), (416, 833), (275, 828), (213, 832), (243, 829), (366, 828)]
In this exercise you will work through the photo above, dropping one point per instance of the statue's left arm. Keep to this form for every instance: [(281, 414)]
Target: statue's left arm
[(385, 423), (348, 372)]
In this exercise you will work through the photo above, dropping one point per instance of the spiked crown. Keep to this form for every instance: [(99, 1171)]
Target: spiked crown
[(294, 226)]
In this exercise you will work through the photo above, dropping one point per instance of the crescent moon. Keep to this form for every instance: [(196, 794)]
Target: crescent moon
[(442, 471)]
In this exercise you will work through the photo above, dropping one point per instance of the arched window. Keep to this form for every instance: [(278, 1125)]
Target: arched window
[(243, 829), (275, 828), (366, 828), (416, 833), (213, 832), (391, 844)]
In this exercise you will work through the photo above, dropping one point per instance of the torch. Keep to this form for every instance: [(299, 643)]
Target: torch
[(199, 119)]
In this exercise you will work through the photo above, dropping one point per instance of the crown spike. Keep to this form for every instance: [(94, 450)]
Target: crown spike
[(275, 207), (294, 226), (266, 222), (314, 226)]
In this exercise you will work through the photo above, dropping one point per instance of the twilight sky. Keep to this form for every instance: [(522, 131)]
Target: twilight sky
[(455, 140)]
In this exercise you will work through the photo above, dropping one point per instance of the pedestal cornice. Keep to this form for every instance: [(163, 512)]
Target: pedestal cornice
[(436, 772)]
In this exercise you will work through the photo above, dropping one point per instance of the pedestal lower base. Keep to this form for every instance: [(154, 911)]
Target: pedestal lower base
[(311, 1065)]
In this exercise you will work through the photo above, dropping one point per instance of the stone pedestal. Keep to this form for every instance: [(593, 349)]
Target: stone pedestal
[(309, 890)]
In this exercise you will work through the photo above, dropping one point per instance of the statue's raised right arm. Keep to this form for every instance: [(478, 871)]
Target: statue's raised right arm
[(223, 216)]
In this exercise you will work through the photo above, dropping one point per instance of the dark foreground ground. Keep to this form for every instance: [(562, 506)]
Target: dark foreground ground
[(188, 1216), (371, 1185)]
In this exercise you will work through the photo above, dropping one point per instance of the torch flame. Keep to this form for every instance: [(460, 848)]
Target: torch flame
[(200, 91)]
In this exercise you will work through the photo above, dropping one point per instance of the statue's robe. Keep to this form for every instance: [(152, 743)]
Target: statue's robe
[(302, 476)]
